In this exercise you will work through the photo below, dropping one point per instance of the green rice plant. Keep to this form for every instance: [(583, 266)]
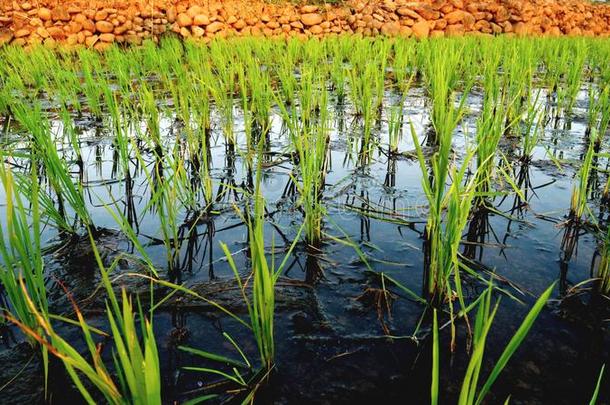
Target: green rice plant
[(448, 212), (395, 121), (572, 74), (532, 129), (136, 364), (404, 65), (22, 266), (603, 268), (309, 134), (593, 400), (261, 307), (490, 125), (519, 64), (441, 65), (473, 391), (55, 167), (580, 190)]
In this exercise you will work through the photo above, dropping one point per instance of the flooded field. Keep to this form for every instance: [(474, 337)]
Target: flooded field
[(306, 222)]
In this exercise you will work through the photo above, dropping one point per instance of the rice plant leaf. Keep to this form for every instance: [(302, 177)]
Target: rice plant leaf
[(597, 386), (514, 343)]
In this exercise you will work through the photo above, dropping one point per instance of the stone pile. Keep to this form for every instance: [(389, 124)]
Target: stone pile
[(98, 24)]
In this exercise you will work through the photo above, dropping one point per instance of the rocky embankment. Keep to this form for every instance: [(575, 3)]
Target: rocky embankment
[(98, 24)]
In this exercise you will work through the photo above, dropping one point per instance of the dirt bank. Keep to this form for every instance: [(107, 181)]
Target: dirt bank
[(100, 23)]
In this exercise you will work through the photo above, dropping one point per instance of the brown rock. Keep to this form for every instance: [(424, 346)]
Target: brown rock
[(390, 29), (316, 29), (311, 19), (421, 29), (104, 27), (407, 12), (201, 19), (308, 9), (42, 32), (198, 32), (454, 30), (170, 15), (195, 11), (88, 25), (90, 41), (22, 33), (72, 40), (239, 24), (214, 27), (59, 13), (184, 20), (44, 14), (522, 29), (454, 17), (5, 37), (107, 37), (56, 32), (101, 15)]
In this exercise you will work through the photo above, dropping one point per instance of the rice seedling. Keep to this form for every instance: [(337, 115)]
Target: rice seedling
[(448, 212), (441, 65), (580, 190), (58, 175), (603, 268), (472, 390), (490, 126), (261, 307), (136, 364), (22, 275), (308, 129), (519, 64)]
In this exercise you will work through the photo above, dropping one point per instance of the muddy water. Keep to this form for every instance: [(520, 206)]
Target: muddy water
[(331, 330)]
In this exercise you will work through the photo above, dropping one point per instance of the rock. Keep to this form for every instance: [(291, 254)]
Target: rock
[(56, 32), (521, 29), (390, 29), (214, 27), (308, 9), (104, 27), (171, 15), (455, 17), (198, 32), (421, 29), (239, 24), (107, 37), (454, 30), (201, 19), (316, 29), (88, 25), (42, 32), (195, 11), (405, 31), (22, 33), (184, 20), (407, 12), (59, 13), (44, 14), (90, 41), (311, 19), (101, 15), (6, 37)]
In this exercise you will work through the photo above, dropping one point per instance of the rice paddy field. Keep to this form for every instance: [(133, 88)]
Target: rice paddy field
[(330, 221)]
